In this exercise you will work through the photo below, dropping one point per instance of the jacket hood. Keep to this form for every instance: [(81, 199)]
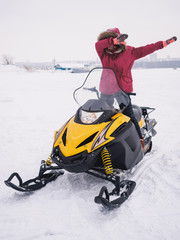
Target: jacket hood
[(106, 34), (110, 32), (115, 30)]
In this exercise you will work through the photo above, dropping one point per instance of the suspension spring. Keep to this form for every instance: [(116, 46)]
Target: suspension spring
[(106, 159), (49, 160)]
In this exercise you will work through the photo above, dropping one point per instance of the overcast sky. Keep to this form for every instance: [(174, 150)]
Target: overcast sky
[(39, 30)]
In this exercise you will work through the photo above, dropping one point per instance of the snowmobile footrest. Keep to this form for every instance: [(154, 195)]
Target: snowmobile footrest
[(126, 188)]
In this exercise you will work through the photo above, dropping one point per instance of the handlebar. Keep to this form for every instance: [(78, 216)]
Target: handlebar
[(131, 94)]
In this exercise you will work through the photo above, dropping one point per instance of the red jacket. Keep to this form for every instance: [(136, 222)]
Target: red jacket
[(122, 62)]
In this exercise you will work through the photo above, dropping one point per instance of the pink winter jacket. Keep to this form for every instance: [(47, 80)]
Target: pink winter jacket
[(122, 62)]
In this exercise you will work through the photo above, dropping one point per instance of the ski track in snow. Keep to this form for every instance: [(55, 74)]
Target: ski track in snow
[(34, 105)]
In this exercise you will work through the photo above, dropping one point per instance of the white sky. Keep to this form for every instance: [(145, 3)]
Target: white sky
[(39, 30)]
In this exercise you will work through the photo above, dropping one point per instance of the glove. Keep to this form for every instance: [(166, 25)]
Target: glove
[(167, 42), (120, 39)]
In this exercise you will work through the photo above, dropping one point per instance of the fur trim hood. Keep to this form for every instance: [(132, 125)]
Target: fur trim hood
[(107, 34)]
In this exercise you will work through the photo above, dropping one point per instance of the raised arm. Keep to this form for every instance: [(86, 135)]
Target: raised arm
[(145, 50), (102, 44), (150, 48)]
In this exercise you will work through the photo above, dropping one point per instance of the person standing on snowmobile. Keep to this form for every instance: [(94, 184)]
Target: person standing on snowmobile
[(115, 54)]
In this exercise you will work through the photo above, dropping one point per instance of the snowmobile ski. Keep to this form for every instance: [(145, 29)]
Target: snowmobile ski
[(35, 183), (125, 189)]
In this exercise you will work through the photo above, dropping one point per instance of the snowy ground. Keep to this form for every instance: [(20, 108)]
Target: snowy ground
[(35, 104)]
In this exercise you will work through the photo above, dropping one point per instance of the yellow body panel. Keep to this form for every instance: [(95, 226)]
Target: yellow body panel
[(77, 133), (141, 122)]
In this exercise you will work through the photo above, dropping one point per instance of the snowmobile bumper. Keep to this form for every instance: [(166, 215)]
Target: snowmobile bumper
[(77, 163)]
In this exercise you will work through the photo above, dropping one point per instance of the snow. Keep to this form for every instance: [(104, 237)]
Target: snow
[(35, 104)]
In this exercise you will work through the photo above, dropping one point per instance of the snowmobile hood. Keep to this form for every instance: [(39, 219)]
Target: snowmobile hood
[(76, 138)]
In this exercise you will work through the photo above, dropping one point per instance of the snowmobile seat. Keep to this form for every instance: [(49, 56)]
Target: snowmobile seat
[(137, 112)]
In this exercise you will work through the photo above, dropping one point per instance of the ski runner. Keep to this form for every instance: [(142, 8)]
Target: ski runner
[(114, 53)]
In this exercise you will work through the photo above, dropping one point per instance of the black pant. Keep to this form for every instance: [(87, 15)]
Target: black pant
[(129, 112)]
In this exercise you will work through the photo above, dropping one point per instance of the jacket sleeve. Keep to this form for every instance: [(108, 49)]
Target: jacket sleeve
[(148, 49), (102, 44)]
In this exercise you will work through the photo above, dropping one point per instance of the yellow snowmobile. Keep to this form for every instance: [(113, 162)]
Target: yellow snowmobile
[(98, 140)]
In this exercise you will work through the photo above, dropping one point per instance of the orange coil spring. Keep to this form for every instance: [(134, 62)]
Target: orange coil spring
[(106, 159)]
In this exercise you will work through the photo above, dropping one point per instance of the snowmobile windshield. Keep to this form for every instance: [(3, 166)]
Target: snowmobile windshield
[(102, 89)]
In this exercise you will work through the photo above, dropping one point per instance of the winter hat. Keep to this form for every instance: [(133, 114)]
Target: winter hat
[(111, 32), (115, 30)]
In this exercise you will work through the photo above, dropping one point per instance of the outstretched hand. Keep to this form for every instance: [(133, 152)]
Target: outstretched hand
[(167, 42)]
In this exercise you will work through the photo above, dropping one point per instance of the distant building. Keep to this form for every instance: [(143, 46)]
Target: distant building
[(154, 62)]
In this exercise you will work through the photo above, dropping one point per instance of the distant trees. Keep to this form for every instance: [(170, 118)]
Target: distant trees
[(7, 59)]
